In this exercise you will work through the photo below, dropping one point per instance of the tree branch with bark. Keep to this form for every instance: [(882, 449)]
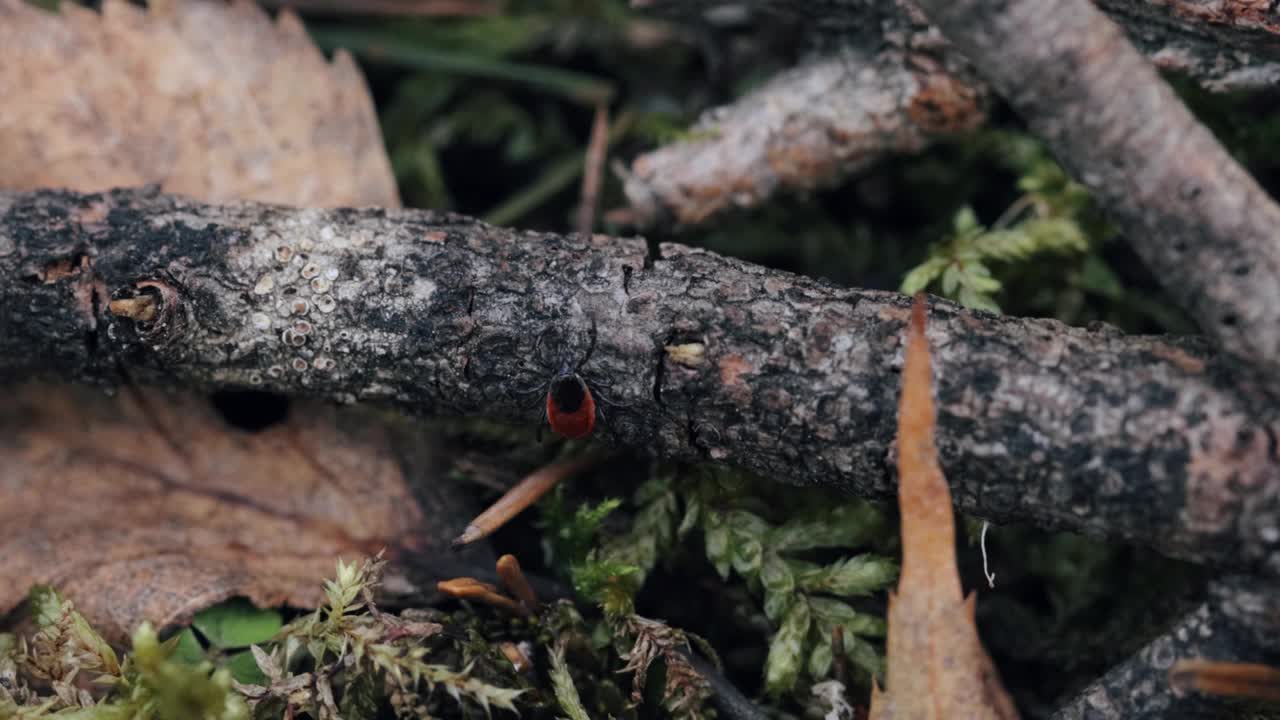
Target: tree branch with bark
[(893, 86), (1239, 621), (1151, 440)]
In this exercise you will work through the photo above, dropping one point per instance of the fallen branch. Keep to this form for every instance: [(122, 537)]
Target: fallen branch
[(1240, 622), (1143, 439), (1225, 46), (807, 128), (1198, 220), (833, 116)]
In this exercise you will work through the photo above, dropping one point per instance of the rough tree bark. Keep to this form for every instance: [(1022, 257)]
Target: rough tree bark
[(889, 87), (895, 86), (1239, 622), (807, 128), (1224, 45), (1145, 439), (1198, 220)]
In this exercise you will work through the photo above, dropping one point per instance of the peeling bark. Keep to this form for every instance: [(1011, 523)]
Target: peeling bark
[(1143, 439), (1240, 622), (808, 128)]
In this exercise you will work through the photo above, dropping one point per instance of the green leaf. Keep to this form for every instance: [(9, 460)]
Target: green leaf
[(746, 532), (858, 575), (188, 650), (786, 650), (610, 584), (863, 655), (978, 277), (971, 299), (966, 222), (690, 520), (245, 669), (716, 536), (571, 534), (828, 613), (848, 526), (746, 556), (951, 279), (921, 275), (821, 659), (237, 624), (779, 586)]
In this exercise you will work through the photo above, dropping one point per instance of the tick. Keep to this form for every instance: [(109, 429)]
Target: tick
[(571, 409)]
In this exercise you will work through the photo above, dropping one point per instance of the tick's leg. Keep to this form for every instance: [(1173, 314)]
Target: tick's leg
[(604, 422), (601, 393), (591, 345), (543, 422)]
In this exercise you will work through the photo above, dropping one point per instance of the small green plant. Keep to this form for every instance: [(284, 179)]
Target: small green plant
[(224, 634), (149, 683), (806, 599), (349, 649), (562, 684), (801, 598), (610, 576), (1053, 215)]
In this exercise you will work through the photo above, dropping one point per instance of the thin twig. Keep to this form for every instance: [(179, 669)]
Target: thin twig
[(593, 175), (525, 493)]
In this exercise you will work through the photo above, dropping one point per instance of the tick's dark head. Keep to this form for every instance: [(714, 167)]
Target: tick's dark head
[(568, 391)]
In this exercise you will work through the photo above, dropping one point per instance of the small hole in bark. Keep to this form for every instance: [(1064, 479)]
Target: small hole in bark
[(1241, 270), (1180, 246), (250, 410), (1230, 320)]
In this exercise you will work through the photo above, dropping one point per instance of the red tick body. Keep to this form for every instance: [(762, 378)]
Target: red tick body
[(571, 411)]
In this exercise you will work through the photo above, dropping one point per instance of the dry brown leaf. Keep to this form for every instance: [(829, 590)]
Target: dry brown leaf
[(151, 506), (204, 98), (937, 666)]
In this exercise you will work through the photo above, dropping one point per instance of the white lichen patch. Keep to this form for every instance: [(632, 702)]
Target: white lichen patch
[(423, 289)]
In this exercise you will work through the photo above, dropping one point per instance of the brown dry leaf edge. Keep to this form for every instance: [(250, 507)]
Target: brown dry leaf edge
[(206, 99), (937, 666), (149, 505)]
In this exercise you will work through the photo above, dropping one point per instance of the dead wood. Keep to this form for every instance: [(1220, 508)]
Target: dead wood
[(1239, 622), (700, 357)]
